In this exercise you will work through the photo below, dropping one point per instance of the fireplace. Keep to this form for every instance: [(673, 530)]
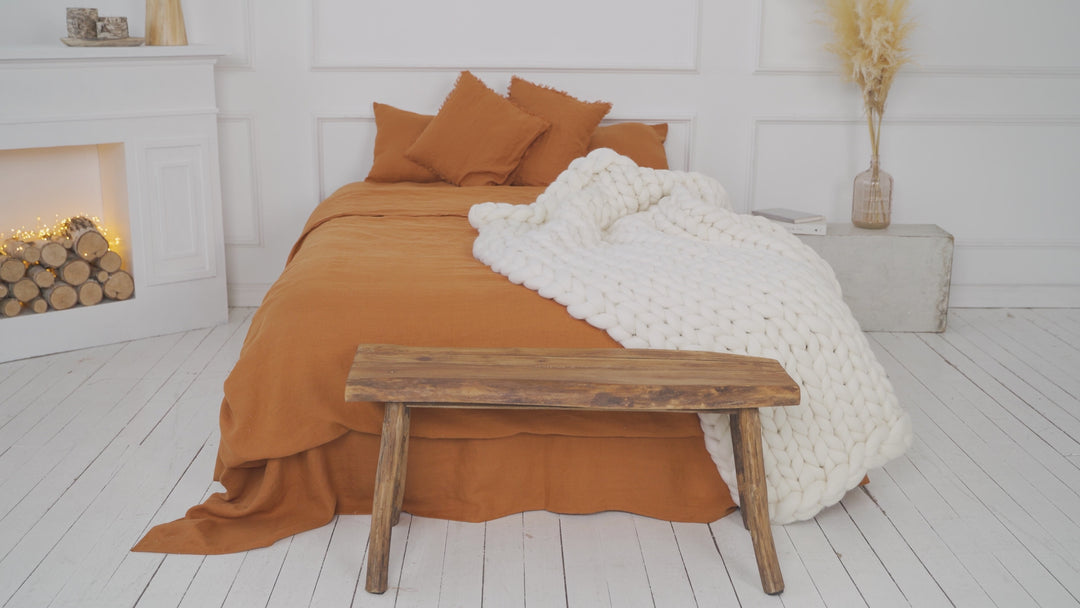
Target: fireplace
[(128, 137), (61, 249)]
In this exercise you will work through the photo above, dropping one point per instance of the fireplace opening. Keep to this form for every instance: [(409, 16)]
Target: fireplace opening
[(64, 229)]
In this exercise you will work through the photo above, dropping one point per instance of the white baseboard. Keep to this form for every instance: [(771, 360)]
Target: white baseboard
[(247, 294), (1014, 296)]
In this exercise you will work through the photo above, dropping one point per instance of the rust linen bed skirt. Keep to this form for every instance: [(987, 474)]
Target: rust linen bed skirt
[(459, 479), (393, 263)]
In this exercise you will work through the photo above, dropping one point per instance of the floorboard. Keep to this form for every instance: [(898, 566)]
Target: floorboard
[(100, 444), (504, 562)]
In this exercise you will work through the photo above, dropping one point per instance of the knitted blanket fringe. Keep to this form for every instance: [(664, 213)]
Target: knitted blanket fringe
[(659, 260)]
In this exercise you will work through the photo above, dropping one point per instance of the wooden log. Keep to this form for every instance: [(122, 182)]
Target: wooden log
[(53, 253), (74, 271), (9, 307), (90, 293), (31, 254), (38, 305), (89, 245), (3, 290), (61, 296), (110, 261), (41, 275), (11, 269), (22, 250), (13, 247), (120, 286), (86, 241), (101, 276), (25, 290)]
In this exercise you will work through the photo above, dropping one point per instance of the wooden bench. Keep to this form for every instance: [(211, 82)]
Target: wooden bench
[(622, 380)]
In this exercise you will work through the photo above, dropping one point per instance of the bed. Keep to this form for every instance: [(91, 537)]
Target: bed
[(392, 263), (391, 260)]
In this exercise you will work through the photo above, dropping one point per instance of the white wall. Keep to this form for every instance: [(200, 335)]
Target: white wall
[(982, 135)]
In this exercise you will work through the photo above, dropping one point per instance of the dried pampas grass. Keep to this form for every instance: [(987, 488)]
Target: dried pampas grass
[(869, 39)]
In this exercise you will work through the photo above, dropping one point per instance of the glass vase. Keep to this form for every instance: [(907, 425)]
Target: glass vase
[(871, 200)]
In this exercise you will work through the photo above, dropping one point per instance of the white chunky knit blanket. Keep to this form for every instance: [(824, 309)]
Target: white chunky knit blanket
[(659, 260)]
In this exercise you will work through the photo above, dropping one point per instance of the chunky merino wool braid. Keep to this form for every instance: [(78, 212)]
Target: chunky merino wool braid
[(658, 260)]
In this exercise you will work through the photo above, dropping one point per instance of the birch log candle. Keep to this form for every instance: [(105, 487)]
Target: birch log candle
[(112, 28), (82, 23), (165, 23)]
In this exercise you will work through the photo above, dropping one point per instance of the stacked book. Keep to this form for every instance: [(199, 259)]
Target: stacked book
[(796, 222)]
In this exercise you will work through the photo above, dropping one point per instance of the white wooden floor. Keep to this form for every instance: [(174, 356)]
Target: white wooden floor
[(97, 445)]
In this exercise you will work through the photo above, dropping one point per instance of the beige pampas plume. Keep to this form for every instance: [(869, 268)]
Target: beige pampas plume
[(869, 39)]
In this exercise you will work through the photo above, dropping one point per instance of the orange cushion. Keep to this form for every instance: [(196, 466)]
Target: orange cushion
[(396, 130), (477, 138), (572, 124), (643, 143)]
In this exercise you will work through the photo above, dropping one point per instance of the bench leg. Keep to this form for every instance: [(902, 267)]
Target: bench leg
[(754, 498), (740, 476), (389, 488), (399, 487)]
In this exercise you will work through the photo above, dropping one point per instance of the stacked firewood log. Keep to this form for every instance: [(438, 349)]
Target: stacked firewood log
[(71, 265)]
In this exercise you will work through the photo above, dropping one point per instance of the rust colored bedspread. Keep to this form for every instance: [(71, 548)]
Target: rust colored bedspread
[(392, 263)]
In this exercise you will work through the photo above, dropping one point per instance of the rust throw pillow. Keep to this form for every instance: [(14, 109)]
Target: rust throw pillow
[(477, 138), (572, 124), (643, 143), (396, 130)]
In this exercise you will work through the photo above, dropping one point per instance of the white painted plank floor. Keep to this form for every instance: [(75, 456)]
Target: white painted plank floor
[(99, 444)]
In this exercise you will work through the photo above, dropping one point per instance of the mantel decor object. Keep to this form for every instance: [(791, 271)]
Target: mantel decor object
[(85, 28), (82, 23), (869, 39), (871, 198), (165, 23), (112, 28)]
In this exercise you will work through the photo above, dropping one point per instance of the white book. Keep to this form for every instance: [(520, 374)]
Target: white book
[(818, 228), (790, 216)]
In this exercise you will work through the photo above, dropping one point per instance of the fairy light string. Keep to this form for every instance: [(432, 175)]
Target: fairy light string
[(59, 229)]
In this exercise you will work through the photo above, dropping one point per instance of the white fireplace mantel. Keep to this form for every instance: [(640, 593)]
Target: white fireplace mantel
[(152, 115)]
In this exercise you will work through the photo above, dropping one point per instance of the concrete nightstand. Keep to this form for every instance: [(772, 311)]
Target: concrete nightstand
[(896, 279)]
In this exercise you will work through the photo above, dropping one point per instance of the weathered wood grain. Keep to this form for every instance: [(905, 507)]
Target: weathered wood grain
[(389, 484), (587, 379)]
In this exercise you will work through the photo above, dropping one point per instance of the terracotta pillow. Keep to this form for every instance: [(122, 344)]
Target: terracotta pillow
[(477, 138), (643, 143), (396, 130), (572, 124)]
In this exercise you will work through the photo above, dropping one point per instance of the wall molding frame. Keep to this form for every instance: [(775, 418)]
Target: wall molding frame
[(253, 236), (179, 232), (688, 120), (1015, 120), (317, 63), (1038, 294), (14, 120), (918, 69), (320, 121), (245, 62)]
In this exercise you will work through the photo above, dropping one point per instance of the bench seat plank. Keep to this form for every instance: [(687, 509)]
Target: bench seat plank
[(600, 379)]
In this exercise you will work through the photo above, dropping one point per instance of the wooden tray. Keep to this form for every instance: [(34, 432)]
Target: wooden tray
[(104, 42)]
